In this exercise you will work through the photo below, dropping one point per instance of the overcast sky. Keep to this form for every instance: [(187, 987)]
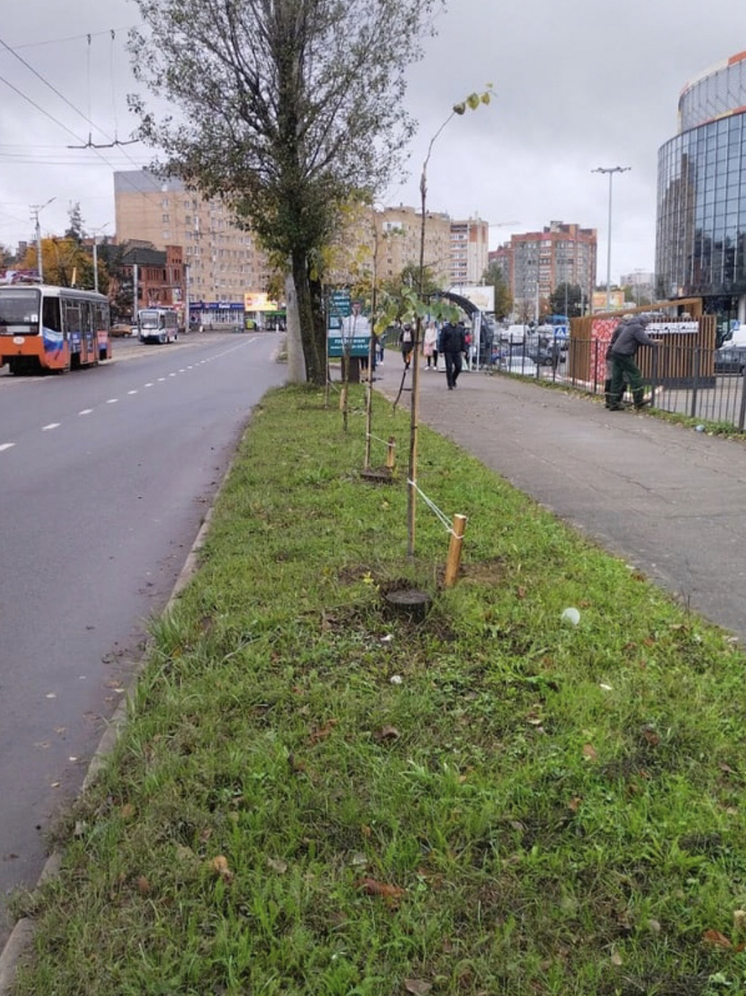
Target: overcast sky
[(578, 84)]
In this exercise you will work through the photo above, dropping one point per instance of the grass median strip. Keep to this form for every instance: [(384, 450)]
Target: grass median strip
[(314, 796)]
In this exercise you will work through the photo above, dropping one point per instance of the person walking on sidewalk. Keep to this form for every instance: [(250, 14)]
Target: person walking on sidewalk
[(430, 346), (406, 343), (631, 336), (452, 346)]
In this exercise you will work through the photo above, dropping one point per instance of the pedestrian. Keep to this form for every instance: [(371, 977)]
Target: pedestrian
[(406, 342), (430, 346), (631, 336), (452, 345)]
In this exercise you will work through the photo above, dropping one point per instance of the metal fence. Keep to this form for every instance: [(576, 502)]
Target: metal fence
[(712, 386)]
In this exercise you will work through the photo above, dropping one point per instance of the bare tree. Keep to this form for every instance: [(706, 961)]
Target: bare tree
[(284, 108)]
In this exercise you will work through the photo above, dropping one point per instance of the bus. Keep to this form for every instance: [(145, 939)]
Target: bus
[(45, 328), (157, 325)]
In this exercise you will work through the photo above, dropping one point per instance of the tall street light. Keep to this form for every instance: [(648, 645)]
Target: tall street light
[(611, 170), (36, 208), (96, 232)]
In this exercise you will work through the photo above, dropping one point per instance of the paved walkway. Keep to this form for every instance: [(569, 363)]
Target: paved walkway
[(668, 499)]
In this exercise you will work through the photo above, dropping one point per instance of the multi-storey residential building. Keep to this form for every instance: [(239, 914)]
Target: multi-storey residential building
[(469, 251), (223, 262), (541, 261), (642, 284), (455, 252), (701, 216)]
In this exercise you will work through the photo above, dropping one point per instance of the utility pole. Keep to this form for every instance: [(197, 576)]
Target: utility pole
[(36, 208), (95, 255), (611, 170)]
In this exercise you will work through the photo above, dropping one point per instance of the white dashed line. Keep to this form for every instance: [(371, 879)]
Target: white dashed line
[(131, 392), (150, 384), (52, 425), (172, 375), (161, 379), (86, 411), (6, 446), (112, 401)]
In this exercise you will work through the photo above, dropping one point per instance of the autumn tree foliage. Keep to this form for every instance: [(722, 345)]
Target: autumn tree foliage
[(285, 109)]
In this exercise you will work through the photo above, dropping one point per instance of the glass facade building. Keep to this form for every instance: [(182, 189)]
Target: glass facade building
[(701, 214)]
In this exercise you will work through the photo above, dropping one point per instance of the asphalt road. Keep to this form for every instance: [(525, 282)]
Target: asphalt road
[(105, 477)]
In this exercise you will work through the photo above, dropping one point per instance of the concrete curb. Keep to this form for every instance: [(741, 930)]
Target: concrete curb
[(22, 935)]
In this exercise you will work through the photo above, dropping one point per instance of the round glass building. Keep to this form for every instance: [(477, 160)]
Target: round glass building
[(701, 217)]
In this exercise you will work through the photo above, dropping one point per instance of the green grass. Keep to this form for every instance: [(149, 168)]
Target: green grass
[(529, 807)]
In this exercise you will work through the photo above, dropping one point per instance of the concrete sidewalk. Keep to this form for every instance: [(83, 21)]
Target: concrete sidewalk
[(667, 499)]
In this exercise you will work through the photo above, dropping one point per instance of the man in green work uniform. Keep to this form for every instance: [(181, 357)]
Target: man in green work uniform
[(631, 336)]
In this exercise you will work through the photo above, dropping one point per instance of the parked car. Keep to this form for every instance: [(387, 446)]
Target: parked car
[(518, 363), (730, 359), (121, 329)]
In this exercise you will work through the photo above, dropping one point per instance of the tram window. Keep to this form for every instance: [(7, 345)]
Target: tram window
[(51, 314)]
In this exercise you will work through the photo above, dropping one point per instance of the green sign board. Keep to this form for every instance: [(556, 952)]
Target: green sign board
[(356, 345)]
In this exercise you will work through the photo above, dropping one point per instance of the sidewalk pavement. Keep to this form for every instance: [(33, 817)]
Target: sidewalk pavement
[(667, 499)]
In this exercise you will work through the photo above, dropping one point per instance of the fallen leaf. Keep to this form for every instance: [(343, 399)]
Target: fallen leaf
[(652, 737), (739, 919), (322, 732), (589, 751), (724, 767), (143, 886), (127, 811), (277, 866), (417, 987), (716, 939), (220, 866), (382, 889), (616, 958), (521, 592), (574, 804)]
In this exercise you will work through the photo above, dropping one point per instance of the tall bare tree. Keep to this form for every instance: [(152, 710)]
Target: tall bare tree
[(284, 108)]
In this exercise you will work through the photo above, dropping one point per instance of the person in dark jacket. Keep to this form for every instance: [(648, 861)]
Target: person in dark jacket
[(609, 362), (631, 336), (452, 346)]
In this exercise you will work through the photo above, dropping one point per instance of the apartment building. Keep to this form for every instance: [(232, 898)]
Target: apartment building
[(222, 262), (455, 252), (541, 261), (469, 251)]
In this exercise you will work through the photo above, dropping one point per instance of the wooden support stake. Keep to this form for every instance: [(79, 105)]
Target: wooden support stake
[(343, 398), (454, 550), (391, 453)]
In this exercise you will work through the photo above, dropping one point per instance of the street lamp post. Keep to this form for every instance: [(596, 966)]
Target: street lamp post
[(96, 232), (36, 208), (611, 170)]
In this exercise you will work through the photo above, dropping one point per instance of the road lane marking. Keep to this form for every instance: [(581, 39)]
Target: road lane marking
[(150, 384), (6, 446), (86, 411), (112, 401), (132, 392), (52, 425)]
